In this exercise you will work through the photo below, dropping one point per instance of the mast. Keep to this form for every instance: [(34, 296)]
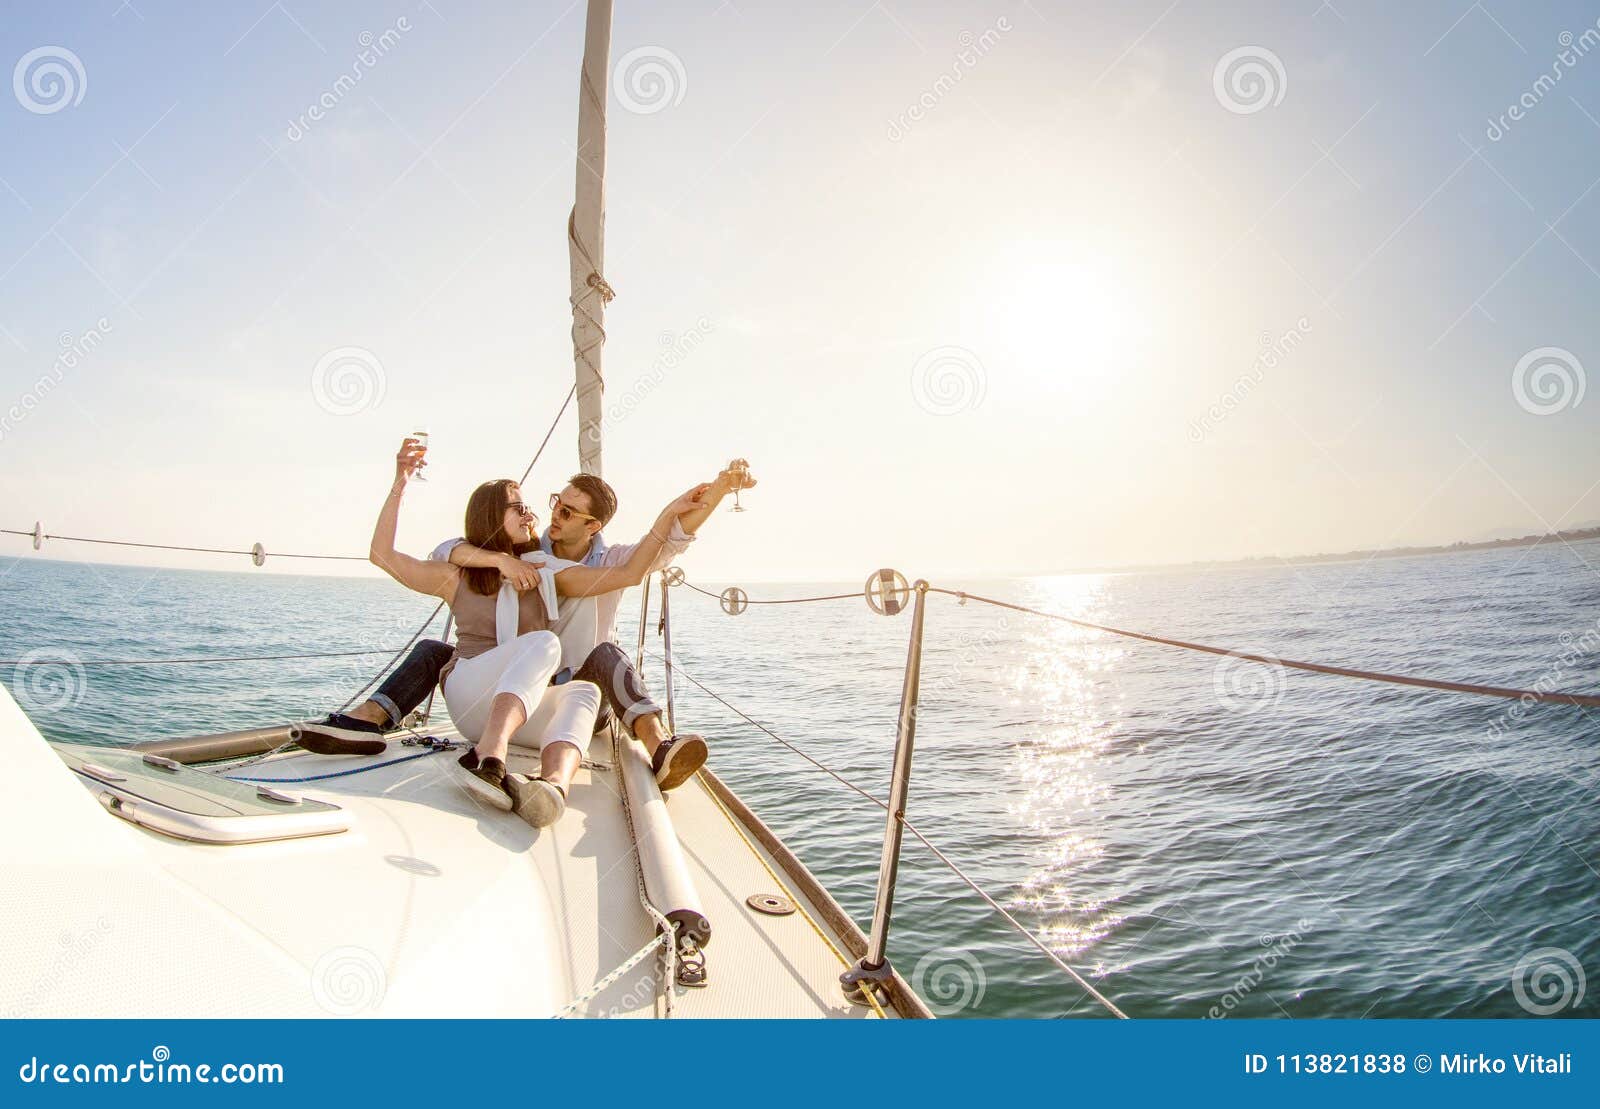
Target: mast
[(586, 237)]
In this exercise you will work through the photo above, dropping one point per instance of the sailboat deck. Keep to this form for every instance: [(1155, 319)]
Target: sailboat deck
[(435, 904), (758, 965)]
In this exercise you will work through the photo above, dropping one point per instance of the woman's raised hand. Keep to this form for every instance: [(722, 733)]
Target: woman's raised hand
[(408, 460)]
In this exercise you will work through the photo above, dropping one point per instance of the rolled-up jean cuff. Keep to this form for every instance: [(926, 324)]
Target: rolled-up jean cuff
[(390, 709), (646, 707)]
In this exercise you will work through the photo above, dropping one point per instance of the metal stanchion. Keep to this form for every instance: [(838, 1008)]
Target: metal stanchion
[(644, 616), (666, 656), (872, 971)]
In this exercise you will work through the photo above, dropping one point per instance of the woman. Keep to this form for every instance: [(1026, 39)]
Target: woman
[(497, 687)]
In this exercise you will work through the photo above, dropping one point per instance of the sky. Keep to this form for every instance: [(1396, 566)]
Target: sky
[(978, 289)]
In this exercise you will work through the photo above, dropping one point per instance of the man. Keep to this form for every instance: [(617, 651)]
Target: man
[(586, 626)]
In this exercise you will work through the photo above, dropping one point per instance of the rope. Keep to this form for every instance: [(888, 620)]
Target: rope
[(416, 635), (794, 898), (173, 547), (275, 554), (600, 987), (669, 952), (342, 773), (184, 661), (1591, 700), (828, 770), (1015, 924), (784, 601), (572, 392)]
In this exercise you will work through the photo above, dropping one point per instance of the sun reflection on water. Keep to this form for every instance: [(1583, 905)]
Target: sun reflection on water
[(1063, 671)]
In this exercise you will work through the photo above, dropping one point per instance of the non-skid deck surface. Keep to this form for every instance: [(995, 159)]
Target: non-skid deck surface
[(437, 905)]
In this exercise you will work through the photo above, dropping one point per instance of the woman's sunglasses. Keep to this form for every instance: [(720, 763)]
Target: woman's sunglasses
[(523, 510), (565, 512)]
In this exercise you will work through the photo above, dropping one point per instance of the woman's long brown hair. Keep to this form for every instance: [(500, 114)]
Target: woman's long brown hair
[(483, 528)]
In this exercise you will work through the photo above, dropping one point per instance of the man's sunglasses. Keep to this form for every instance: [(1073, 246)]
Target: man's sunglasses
[(565, 512)]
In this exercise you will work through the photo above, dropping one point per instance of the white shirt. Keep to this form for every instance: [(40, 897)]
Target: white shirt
[(589, 621)]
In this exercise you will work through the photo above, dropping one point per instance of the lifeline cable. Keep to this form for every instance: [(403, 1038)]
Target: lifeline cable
[(1590, 700)]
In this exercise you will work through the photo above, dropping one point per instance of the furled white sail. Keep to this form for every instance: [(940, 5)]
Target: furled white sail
[(586, 237)]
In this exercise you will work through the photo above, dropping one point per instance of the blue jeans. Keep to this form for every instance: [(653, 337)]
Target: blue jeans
[(622, 690), (408, 685)]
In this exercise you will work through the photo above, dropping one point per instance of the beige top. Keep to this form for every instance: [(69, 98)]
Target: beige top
[(474, 616)]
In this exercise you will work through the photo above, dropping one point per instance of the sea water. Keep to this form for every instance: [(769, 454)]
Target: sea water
[(1199, 835)]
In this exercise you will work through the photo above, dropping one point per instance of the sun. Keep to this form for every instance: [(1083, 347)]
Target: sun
[(1064, 316)]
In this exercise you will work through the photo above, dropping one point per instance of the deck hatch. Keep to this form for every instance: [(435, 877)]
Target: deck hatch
[(190, 804)]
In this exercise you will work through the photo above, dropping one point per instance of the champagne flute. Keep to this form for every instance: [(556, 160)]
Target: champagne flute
[(421, 436), (741, 469)]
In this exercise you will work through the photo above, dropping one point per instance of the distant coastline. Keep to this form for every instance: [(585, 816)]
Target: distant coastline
[(1570, 536)]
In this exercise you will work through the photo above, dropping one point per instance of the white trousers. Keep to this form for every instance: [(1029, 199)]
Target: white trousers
[(523, 667)]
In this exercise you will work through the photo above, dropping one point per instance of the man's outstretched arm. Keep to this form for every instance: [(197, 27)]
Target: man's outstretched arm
[(726, 482), (684, 528)]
